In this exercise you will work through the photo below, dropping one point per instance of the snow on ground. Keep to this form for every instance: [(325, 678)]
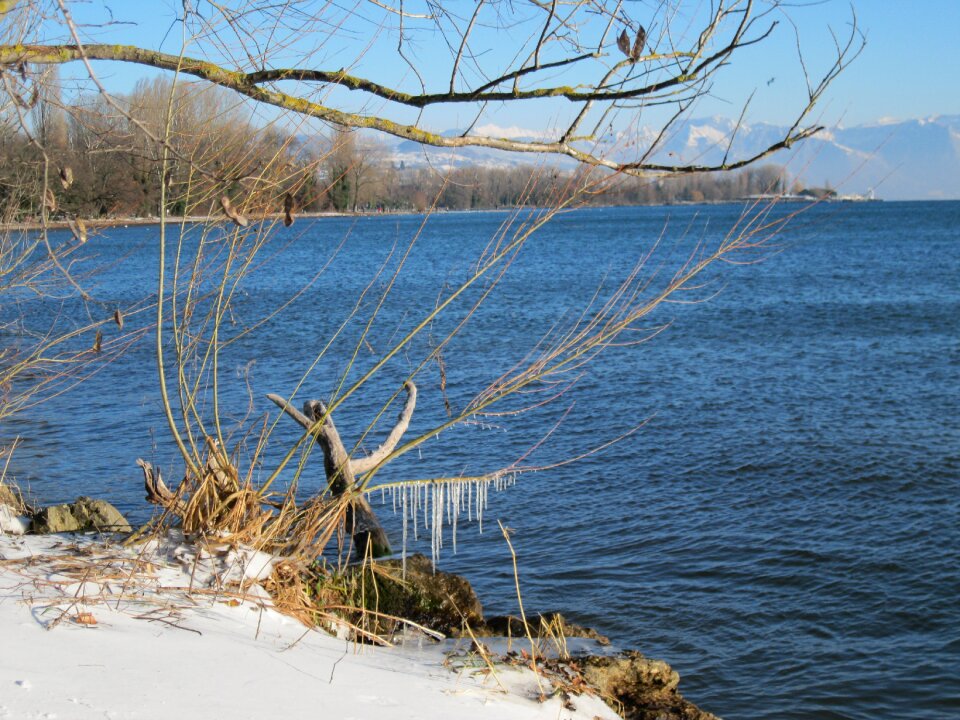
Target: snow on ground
[(10, 522), (89, 630)]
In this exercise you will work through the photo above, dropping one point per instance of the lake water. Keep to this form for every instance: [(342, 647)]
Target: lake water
[(784, 528)]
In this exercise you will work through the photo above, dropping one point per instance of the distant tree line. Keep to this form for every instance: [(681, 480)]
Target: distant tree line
[(359, 175), (103, 158), (114, 168)]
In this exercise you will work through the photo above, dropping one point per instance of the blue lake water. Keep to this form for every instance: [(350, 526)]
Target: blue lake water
[(784, 528)]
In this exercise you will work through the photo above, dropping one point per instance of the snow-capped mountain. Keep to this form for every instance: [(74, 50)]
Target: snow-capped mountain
[(413, 154), (911, 159)]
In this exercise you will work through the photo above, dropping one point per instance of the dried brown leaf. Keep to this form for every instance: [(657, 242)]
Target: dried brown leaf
[(639, 44), (78, 229), (232, 213)]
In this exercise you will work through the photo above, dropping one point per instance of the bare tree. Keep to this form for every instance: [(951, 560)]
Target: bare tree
[(48, 116), (596, 64), (43, 351), (594, 58)]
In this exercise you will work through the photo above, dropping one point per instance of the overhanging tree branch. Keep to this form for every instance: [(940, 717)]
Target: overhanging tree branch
[(673, 75)]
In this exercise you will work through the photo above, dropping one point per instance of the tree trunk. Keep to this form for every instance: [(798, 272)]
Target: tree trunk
[(362, 522)]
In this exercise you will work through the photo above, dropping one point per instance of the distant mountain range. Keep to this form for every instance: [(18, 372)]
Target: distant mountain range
[(898, 160)]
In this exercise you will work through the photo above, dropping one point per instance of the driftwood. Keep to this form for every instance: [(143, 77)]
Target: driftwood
[(217, 469), (219, 479), (157, 491), (214, 500), (341, 470)]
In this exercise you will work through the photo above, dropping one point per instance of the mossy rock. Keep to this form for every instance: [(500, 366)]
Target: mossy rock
[(83, 515), (639, 688), (438, 600)]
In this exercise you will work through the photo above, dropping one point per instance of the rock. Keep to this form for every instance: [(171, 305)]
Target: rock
[(635, 686), (441, 601), (99, 515), (54, 519), (438, 600), (81, 516), (541, 625), (639, 688)]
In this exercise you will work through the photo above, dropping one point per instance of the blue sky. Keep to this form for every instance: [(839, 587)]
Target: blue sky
[(908, 68)]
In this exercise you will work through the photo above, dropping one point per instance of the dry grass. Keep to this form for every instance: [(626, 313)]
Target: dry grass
[(12, 496)]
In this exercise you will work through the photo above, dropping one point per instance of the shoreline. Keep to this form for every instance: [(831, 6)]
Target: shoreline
[(78, 581), (197, 219), (95, 628), (151, 220)]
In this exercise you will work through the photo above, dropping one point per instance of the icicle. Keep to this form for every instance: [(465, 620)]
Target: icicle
[(442, 503), (449, 508), (403, 549), (456, 502), (441, 489), (415, 491), (437, 519), (481, 501), (428, 493), (452, 508), (438, 512)]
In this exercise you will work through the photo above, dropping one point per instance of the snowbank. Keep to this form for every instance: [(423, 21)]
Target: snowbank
[(89, 630), (10, 521)]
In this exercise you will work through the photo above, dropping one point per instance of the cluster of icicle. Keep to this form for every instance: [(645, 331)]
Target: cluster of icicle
[(441, 503)]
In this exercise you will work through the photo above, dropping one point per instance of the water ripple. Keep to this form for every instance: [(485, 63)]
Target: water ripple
[(784, 528)]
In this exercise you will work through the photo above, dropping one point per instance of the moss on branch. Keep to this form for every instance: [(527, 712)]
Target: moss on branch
[(252, 86)]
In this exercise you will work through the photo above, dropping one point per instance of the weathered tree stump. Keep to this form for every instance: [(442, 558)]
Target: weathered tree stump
[(341, 470)]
